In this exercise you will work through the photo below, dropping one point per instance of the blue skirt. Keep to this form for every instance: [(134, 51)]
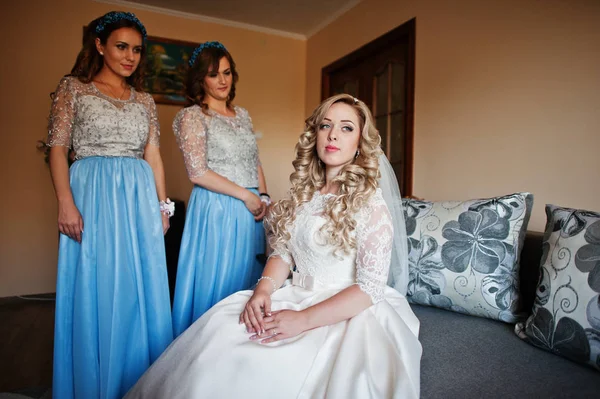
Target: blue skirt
[(113, 314), (218, 253)]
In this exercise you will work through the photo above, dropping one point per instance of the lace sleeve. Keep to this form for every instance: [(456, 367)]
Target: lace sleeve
[(244, 116), (154, 133), (283, 253), (279, 249), (247, 120), (62, 115), (191, 137), (374, 239)]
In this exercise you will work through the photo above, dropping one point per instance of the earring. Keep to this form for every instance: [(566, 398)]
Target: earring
[(357, 154), (101, 53)]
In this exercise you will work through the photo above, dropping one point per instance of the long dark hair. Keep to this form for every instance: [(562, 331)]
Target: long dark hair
[(89, 62), (208, 60)]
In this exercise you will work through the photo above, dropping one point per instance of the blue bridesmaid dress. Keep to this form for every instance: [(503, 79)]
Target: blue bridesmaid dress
[(113, 314), (221, 239)]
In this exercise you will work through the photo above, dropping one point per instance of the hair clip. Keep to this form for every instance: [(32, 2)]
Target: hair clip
[(201, 47), (355, 100), (115, 16)]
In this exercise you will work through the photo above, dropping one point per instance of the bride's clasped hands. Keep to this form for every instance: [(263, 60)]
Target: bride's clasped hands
[(269, 326)]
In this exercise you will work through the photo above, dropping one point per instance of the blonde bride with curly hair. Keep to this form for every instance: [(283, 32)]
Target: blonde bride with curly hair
[(322, 321)]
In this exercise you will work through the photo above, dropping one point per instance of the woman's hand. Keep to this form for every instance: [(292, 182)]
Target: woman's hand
[(262, 214), (254, 205), (282, 324), (70, 222), (257, 305), (165, 222)]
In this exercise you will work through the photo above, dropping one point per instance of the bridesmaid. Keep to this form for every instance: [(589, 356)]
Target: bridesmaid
[(223, 230), (112, 298)]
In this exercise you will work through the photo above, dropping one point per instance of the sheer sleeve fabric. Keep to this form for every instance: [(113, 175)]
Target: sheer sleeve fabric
[(247, 120), (190, 133), (282, 252), (62, 115), (154, 126), (374, 250)]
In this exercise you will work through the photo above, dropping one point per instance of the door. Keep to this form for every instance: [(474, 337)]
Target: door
[(381, 74)]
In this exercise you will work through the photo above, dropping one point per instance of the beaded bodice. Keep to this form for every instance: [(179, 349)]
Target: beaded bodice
[(94, 124), (225, 145)]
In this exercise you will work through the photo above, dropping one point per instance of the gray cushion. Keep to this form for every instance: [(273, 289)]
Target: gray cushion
[(472, 357), (464, 255), (566, 314)]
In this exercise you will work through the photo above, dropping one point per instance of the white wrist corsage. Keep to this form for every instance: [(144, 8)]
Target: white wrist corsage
[(266, 198), (167, 207)]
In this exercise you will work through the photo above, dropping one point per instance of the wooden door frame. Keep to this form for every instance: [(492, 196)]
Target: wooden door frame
[(405, 31)]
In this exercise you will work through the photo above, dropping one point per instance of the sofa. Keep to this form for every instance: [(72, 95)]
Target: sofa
[(466, 356)]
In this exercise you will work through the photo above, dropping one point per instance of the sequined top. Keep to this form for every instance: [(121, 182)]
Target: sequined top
[(94, 124), (225, 145)]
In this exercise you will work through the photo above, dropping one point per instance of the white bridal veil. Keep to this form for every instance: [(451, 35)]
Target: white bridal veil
[(398, 277)]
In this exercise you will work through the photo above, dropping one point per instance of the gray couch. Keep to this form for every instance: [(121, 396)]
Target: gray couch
[(472, 357)]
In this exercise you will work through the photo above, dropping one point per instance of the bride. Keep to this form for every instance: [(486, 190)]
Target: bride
[(337, 331)]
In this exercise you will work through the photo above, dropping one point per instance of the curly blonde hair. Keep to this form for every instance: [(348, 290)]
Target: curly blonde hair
[(357, 181)]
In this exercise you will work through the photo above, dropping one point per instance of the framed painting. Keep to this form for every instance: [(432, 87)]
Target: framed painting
[(166, 68)]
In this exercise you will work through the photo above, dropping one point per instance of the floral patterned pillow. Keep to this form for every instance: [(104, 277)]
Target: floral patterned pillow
[(464, 256), (566, 313)]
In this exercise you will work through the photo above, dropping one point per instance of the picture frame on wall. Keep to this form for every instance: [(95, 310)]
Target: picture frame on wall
[(166, 69)]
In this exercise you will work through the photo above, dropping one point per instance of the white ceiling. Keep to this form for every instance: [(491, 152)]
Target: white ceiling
[(293, 18)]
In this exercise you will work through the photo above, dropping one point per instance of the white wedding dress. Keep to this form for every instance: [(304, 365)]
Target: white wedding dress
[(375, 354)]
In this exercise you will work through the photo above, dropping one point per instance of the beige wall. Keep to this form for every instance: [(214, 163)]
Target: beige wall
[(507, 94), (39, 42)]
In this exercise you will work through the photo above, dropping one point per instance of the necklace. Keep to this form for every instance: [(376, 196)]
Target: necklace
[(111, 90)]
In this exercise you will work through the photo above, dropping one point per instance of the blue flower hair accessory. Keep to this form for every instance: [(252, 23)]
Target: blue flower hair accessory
[(115, 16), (201, 47)]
